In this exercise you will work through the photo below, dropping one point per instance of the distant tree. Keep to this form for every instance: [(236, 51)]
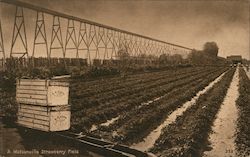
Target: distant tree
[(142, 56), (123, 54), (152, 57), (170, 59), (176, 58), (163, 58), (196, 57), (211, 49)]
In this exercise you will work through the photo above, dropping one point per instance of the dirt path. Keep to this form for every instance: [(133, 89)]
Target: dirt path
[(223, 131), (150, 140)]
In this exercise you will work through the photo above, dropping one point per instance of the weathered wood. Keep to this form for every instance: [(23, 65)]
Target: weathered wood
[(35, 107), (34, 120), (58, 83), (31, 88), (32, 101), (33, 126), (58, 95), (32, 96), (34, 116), (42, 92), (59, 120), (37, 112), (47, 118), (35, 92)]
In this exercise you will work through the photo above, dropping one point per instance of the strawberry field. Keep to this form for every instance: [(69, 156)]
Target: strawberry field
[(126, 109), (106, 99), (243, 138), (187, 136)]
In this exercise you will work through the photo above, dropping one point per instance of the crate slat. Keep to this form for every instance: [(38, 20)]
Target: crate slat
[(58, 83), (35, 92), (32, 80), (24, 82), (45, 108), (35, 121), (32, 101), (35, 116), (32, 88), (31, 96), (42, 113), (34, 107)]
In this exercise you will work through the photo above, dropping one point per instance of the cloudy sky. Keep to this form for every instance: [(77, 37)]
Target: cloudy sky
[(190, 23)]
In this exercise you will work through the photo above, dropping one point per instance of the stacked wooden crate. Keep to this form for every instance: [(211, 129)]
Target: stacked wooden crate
[(43, 104)]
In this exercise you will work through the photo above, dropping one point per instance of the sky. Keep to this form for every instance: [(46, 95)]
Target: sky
[(189, 23)]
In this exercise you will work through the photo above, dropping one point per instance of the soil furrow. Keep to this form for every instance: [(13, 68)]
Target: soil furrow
[(188, 135)]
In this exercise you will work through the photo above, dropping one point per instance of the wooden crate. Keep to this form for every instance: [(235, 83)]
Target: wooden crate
[(42, 92), (45, 118)]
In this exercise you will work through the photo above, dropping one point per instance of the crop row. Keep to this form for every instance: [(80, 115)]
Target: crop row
[(141, 86), (106, 82), (143, 121), (129, 97), (86, 120), (130, 92), (107, 85), (170, 91), (243, 123), (188, 135), (113, 96), (119, 88)]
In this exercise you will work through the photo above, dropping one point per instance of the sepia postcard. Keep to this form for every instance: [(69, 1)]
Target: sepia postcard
[(124, 78)]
